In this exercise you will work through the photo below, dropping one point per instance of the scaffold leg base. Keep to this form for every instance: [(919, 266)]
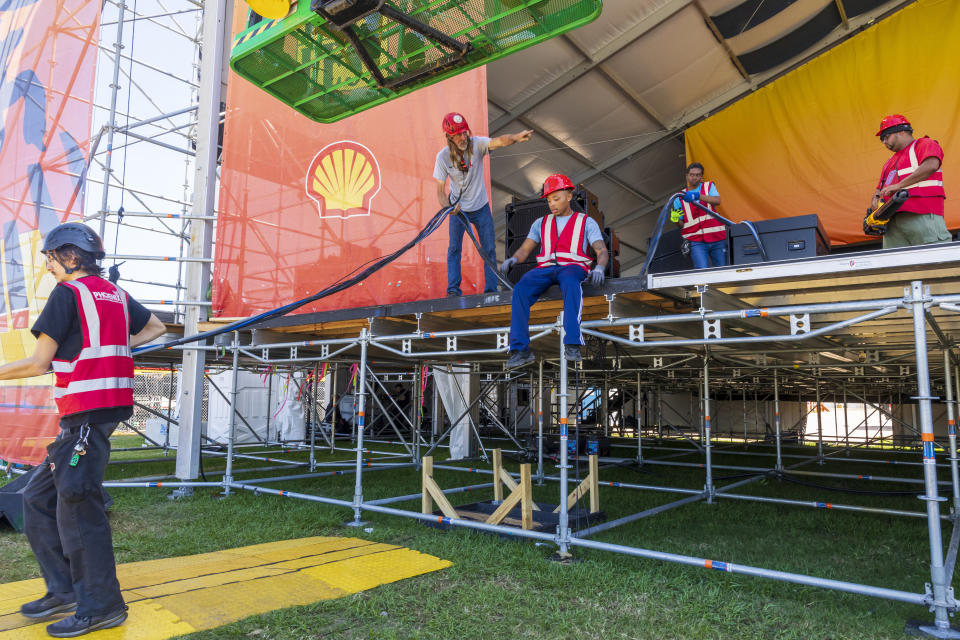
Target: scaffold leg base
[(925, 629), (180, 492), (356, 523), (564, 558)]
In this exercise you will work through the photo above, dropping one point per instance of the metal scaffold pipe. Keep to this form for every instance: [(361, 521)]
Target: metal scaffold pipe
[(563, 527), (112, 118), (938, 578), (361, 424), (952, 429)]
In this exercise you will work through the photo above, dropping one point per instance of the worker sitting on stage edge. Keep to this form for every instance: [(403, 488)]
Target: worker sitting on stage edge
[(707, 235), (914, 166), (563, 236)]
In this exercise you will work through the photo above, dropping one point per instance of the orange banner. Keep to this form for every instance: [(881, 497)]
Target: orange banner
[(304, 204), (48, 64), (805, 143)]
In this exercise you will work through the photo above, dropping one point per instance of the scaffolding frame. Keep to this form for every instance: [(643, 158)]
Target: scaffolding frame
[(917, 305), (196, 214)]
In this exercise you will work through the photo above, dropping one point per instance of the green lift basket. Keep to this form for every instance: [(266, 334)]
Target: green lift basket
[(330, 59)]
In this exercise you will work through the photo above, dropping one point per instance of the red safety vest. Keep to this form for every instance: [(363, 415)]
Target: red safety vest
[(698, 226), (906, 163), (568, 247), (101, 375)]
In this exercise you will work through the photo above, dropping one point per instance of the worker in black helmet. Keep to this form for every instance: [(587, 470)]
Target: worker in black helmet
[(85, 331)]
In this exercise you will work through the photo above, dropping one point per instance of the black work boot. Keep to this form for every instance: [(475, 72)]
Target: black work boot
[(79, 625), (48, 605), (572, 353), (520, 358)]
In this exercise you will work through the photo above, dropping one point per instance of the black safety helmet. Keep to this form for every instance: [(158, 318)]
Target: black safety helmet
[(77, 234), (895, 129)]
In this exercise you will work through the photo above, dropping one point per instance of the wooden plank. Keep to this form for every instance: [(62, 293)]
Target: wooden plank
[(426, 473), (507, 479), (594, 479), (505, 507), (497, 473), (526, 497), (512, 484), (480, 516), (576, 494), (445, 507)]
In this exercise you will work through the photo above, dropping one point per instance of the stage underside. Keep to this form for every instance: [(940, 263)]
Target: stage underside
[(816, 286)]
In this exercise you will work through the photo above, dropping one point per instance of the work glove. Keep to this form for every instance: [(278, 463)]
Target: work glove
[(676, 215), (691, 196), (596, 276), (509, 262)]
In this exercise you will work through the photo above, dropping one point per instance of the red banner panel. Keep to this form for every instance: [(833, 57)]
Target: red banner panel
[(47, 68), (304, 204)]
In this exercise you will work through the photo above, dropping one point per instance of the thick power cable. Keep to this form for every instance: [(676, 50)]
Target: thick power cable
[(343, 283)]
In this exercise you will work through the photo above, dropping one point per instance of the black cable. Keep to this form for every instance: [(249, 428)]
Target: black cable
[(866, 492), (490, 263), (343, 283)]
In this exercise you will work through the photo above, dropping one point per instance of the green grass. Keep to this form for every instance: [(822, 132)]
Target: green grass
[(510, 589)]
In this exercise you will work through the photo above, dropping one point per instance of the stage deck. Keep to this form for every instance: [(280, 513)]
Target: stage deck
[(864, 276)]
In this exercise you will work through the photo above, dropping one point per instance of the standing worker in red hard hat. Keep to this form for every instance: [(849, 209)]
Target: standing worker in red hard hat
[(914, 166), (563, 236), (462, 162)]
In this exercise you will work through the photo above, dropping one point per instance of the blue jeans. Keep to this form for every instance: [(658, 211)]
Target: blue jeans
[(528, 290), (715, 251), (482, 221)]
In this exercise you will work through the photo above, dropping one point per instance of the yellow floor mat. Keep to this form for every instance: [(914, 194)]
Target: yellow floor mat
[(180, 595)]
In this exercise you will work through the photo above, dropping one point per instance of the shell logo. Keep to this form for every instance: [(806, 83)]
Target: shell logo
[(343, 179)]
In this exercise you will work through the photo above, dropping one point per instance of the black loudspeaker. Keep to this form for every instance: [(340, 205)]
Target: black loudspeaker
[(668, 256), (516, 271), (11, 500), (520, 214), (783, 239)]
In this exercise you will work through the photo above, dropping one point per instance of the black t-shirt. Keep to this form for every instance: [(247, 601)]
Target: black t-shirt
[(60, 319)]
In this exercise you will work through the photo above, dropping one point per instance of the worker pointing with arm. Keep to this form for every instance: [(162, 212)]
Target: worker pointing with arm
[(462, 162), (85, 332), (914, 166), (563, 236)]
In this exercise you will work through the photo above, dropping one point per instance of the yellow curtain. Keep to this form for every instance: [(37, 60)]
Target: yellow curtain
[(805, 143)]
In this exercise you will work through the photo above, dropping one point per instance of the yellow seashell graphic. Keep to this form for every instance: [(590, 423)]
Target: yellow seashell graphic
[(343, 179)]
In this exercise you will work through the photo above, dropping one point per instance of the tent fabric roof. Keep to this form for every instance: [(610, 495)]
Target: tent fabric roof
[(609, 102)]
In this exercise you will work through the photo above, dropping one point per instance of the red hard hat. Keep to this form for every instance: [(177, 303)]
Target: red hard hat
[(892, 121), (556, 182), (454, 123)]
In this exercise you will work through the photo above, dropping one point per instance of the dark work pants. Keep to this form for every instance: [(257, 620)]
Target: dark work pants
[(66, 522), (527, 291)]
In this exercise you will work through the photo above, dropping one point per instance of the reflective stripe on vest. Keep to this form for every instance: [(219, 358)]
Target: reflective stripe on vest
[(101, 375), (698, 225), (569, 243), (932, 186)]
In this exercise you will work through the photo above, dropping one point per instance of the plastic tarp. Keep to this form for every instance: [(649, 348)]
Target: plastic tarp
[(286, 417), (303, 204), (47, 68), (453, 386), (805, 143)]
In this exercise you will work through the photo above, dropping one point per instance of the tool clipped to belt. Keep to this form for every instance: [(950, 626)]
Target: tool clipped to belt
[(80, 448), (876, 220)]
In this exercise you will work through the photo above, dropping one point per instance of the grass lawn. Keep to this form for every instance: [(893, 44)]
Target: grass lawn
[(510, 589)]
